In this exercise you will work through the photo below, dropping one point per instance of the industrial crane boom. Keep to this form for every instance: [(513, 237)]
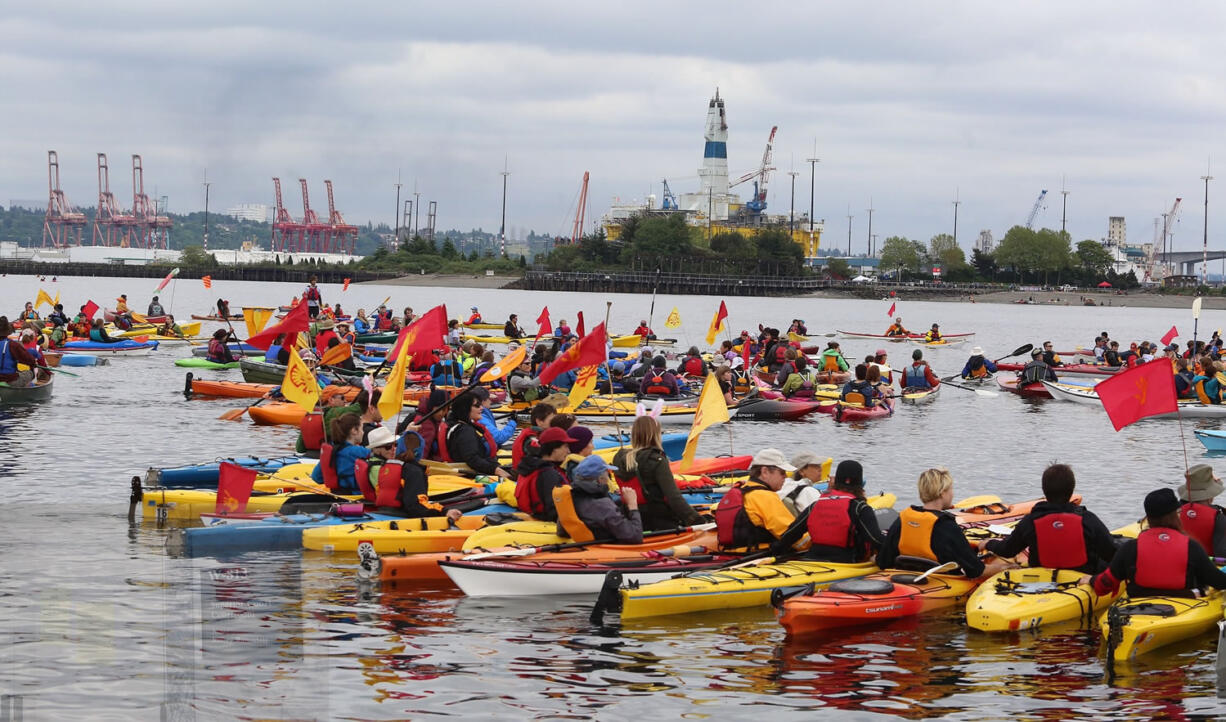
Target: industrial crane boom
[(1034, 212)]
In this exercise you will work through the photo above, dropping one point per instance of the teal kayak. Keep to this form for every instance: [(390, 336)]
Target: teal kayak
[(203, 363)]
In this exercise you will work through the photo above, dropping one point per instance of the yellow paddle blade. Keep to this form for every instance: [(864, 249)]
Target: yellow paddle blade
[(505, 366), (976, 501), (233, 414), (336, 354), (138, 318)]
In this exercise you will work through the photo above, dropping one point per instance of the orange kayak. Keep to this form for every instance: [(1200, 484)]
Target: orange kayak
[(229, 389), (887, 595), (998, 511), (424, 567), (290, 414)]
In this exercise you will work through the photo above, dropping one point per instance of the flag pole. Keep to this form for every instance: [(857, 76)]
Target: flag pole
[(608, 306), (1195, 320), (650, 314)]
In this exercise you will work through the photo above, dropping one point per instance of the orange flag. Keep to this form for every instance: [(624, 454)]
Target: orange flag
[(234, 488), (1147, 390), (208, 281), (345, 287)]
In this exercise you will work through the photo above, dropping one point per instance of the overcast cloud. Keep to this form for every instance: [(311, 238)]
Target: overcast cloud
[(909, 104)]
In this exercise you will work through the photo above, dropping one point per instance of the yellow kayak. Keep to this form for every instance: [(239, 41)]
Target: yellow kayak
[(1030, 597), (1144, 624), (146, 329), (413, 537), (630, 341)]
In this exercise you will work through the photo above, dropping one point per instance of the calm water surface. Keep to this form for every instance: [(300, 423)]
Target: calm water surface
[(98, 621)]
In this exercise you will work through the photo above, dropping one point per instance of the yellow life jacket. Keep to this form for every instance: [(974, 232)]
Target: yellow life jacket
[(916, 537), (568, 517)]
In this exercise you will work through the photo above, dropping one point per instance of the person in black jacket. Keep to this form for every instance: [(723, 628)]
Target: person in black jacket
[(1058, 533), (511, 329), (466, 438), (538, 474), (855, 521)]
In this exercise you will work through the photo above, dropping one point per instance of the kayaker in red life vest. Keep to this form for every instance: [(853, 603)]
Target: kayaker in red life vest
[(644, 331), (1162, 560), (219, 351), (842, 528), (659, 381), (313, 298), (1200, 518), (323, 335), (475, 317), (931, 535), (692, 364), (919, 374), (400, 480), (751, 514), (537, 475), (1058, 533), (13, 353), (527, 443)]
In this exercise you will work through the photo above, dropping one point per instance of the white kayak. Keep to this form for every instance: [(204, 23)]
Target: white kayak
[(1089, 397), (522, 578)]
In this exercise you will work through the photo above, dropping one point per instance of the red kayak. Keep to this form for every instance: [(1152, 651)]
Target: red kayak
[(771, 409), (854, 412), (1091, 369), (885, 596), (1035, 391)]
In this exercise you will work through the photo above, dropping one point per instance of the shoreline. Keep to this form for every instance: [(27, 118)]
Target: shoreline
[(448, 280)]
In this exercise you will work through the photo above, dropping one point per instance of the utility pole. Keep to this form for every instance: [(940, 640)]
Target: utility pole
[(849, 217), (1064, 207), (396, 233), (957, 202), (710, 209), (870, 226), (813, 161), (1204, 265), (792, 210), (416, 210), (206, 210), (874, 241), (502, 230)]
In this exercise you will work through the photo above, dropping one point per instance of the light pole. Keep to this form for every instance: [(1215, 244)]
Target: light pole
[(792, 209), (416, 210), (206, 211), (1063, 206), (1204, 262), (956, 204), (812, 177), (502, 230), (396, 233), (870, 226), (849, 217)]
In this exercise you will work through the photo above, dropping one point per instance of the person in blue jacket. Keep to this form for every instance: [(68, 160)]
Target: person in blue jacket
[(501, 435), (977, 366), (348, 429)]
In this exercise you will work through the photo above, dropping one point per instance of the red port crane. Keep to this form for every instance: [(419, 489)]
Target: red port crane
[(315, 233), (151, 230), (61, 225), (286, 232), (112, 227), (343, 236), (581, 212)]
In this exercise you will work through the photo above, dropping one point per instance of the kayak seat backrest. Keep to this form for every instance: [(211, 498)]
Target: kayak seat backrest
[(312, 427), (327, 467), (863, 586), (855, 398), (568, 516), (1149, 609), (915, 564)]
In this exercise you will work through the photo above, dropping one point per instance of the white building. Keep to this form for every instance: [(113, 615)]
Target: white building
[(712, 196), (1117, 233), (257, 212), (985, 243)]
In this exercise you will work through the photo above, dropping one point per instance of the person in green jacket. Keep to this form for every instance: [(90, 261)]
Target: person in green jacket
[(832, 358)]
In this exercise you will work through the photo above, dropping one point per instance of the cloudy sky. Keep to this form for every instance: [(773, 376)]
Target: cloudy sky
[(911, 104)]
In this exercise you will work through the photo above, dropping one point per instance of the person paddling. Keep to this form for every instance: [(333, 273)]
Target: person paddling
[(897, 329), (1058, 533), (1162, 561), (538, 475), (978, 367), (219, 351), (595, 510), (13, 353), (1201, 519), (1035, 371), (842, 527), (919, 374), (934, 334)]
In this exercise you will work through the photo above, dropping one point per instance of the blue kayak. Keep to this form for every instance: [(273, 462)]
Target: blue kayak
[(80, 359), (674, 443), (276, 533), (126, 344), (205, 476)]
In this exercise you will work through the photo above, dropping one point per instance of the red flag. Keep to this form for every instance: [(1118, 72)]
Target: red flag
[(208, 281), (345, 286), (579, 325), (891, 311), (295, 321), (1147, 390), (589, 351), (89, 309), (1170, 336), (543, 321), (427, 333), (234, 488)]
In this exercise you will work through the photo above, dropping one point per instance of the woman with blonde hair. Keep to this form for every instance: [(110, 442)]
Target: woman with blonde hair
[(644, 467), (928, 535)]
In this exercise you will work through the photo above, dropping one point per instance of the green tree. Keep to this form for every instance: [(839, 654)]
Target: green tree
[(1094, 260), (838, 268), (899, 253), (733, 244), (196, 257), (1020, 251), (984, 263), (660, 236), (942, 249), (1055, 252), (448, 250)]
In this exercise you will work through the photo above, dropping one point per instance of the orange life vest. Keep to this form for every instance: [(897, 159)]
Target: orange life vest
[(568, 516), (916, 537)]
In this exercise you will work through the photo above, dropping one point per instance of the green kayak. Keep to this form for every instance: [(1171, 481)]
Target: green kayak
[(203, 363)]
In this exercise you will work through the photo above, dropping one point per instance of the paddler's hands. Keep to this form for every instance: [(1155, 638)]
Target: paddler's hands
[(1085, 579), (502, 473), (630, 498), (453, 515)]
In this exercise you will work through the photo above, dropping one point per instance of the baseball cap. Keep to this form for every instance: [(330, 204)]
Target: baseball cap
[(771, 457), (593, 467), (553, 434)]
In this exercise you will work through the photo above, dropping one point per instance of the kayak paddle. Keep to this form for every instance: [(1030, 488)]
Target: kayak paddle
[(61, 371), (947, 566), (236, 414), (980, 392), (1016, 352)]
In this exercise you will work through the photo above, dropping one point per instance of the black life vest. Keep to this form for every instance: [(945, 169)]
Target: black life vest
[(1060, 540)]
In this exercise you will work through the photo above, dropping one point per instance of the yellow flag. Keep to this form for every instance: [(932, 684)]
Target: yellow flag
[(711, 410), (42, 298), (256, 319), (674, 319), (299, 383), (585, 384), (56, 302), (392, 399)]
